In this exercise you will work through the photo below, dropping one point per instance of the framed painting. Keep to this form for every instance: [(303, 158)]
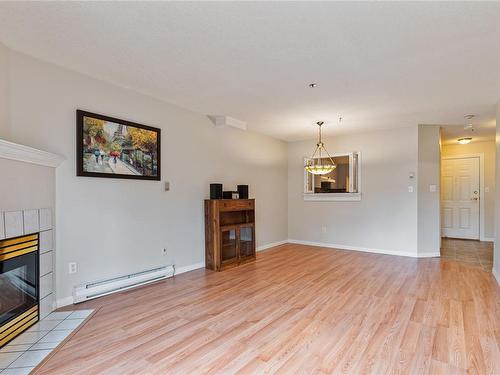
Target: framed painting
[(114, 148)]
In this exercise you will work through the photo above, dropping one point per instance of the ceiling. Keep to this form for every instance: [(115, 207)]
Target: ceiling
[(379, 65), (479, 133)]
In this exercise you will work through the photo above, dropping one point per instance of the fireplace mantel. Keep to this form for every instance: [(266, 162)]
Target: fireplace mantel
[(15, 151)]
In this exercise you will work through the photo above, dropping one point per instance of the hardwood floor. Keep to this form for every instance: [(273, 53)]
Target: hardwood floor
[(297, 309)]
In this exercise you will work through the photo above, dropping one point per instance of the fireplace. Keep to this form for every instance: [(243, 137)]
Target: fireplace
[(19, 285)]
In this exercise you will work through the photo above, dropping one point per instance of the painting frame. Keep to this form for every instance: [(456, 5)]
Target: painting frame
[(80, 157)]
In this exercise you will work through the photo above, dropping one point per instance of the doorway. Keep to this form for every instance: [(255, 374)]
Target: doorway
[(461, 197)]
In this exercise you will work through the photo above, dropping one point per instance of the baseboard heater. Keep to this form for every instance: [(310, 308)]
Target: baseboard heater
[(85, 292)]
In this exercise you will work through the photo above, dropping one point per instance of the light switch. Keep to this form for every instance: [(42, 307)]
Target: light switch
[(486, 189), (410, 189), (167, 186), (432, 188)]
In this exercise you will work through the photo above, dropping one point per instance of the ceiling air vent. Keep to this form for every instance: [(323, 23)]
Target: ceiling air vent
[(220, 120)]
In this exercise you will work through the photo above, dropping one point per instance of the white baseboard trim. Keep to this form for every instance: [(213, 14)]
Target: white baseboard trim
[(272, 244), (191, 267), (488, 239), (496, 274), (429, 255), (367, 250)]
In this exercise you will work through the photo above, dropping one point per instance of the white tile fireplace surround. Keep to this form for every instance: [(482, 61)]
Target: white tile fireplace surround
[(27, 202), (18, 223)]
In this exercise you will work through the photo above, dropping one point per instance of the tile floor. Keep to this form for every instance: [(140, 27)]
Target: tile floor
[(474, 253), (27, 350)]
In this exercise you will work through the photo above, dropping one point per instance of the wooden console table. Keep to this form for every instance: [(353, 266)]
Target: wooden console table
[(229, 232)]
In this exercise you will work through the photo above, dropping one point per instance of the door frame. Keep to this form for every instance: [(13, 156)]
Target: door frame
[(481, 188)]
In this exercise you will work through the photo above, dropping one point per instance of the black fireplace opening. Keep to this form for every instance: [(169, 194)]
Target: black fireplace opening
[(19, 285)]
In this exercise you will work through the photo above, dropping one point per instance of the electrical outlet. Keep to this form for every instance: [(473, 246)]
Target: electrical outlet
[(72, 267), (164, 251), (410, 189), (323, 229)]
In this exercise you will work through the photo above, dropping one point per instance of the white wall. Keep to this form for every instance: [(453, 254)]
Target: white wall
[(429, 157), (489, 151), (4, 61), (386, 217), (112, 227), (26, 186), (496, 254)]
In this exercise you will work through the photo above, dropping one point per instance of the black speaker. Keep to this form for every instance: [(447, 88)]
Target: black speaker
[(243, 191), (215, 191)]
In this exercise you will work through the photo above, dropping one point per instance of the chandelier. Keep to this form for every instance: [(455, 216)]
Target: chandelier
[(316, 164)]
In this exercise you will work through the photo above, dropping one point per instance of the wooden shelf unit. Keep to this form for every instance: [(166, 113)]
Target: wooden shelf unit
[(229, 232)]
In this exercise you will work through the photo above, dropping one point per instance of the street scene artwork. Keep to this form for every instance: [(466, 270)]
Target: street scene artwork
[(109, 147)]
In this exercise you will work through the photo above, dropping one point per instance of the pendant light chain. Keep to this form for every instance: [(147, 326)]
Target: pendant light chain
[(319, 167), (320, 144)]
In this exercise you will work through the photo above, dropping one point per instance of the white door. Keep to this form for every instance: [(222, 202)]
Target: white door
[(460, 198)]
